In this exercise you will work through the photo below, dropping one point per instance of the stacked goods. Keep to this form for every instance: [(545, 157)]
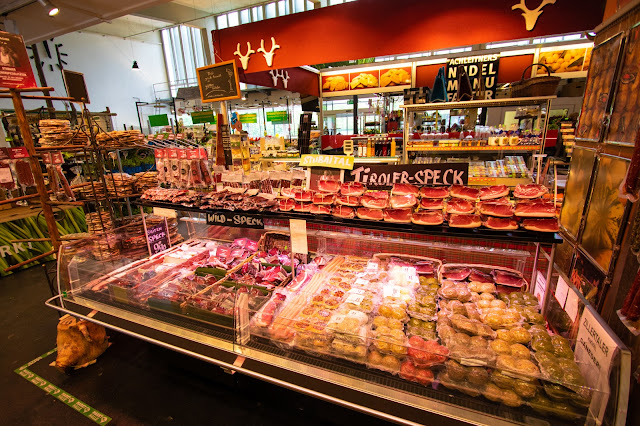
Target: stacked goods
[(99, 222), (119, 184), (72, 222), (466, 327), (118, 138), (145, 180), (133, 238), (58, 132)]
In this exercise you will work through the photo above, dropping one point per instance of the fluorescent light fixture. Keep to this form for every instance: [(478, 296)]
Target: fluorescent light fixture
[(567, 47), (591, 33), (517, 52), (432, 62), (50, 8)]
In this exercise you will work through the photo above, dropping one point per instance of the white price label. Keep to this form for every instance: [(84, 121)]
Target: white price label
[(562, 290), (356, 291), (355, 299), (572, 305), (298, 230), (361, 282)]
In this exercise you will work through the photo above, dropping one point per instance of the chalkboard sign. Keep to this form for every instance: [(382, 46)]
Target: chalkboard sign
[(435, 174), (236, 219), (76, 87), (219, 82), (158, 237)]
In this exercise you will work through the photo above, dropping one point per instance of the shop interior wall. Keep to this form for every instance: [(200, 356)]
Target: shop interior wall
[(106, 63)]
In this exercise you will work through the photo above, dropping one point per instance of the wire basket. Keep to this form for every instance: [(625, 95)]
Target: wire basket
[(535, 86)]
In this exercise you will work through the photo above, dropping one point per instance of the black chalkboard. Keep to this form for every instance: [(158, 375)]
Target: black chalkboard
[(219, 82), (235, 219), (158, 237), (76, 87), (384, 176)]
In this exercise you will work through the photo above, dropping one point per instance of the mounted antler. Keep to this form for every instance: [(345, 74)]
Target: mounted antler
[(244, 59), (274, 77), (269, 55), (285, 80), (531, 16), (276, 74)]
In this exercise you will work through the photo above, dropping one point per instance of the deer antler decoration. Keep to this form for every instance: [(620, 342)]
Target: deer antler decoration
[(531, 16), (274, 77), (285, 80), (244, 59), (268, 56)]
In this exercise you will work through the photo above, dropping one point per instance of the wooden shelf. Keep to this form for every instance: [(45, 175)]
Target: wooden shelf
[(516, 148), (479, 104)]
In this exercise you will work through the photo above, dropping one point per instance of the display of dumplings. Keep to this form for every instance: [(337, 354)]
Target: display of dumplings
[(334, 83), (395, 77), (364, 80)]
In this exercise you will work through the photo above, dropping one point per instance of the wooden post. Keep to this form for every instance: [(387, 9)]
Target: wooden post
[(21, 116)]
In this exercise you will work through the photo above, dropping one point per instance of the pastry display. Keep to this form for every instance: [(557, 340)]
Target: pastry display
[(335, 83), (364, 80), (395, 77)]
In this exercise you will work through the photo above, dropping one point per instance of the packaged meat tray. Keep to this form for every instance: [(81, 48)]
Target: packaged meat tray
[(384, 362)]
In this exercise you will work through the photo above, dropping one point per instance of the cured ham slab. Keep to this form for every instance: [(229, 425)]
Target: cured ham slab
[(541, 225), (490, 208), (302, 207), (427, 218), (397, 215), (457, 274), (330, 186), (320, 209), (370, 214), (287, 192), (464, 221), (352, 188), (493, 192), (507, 278), (287, 204), (432, 203), (343, 212), (531, 190), (373, 203), (302, 195), (480, 277), (502, 223), (434, 191), (380, 195), (320, 198), (345, 200), (464, 192), (402, 201), (460, 206), (404, 189), (535, 209)]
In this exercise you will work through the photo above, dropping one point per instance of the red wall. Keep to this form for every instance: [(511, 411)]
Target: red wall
[(300, 80), (368, 28)]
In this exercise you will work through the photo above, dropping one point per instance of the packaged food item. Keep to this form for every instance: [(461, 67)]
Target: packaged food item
[(472, 327), (455, 290), (426, 353), (410, 372), (393, 310), (384, 362), (389, 341)]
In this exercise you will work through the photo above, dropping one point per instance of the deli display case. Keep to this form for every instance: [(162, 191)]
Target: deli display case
[(408, 327)]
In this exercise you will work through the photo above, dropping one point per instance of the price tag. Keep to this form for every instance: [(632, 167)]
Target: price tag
[(356, 291), (355, 299), (541, 285), (562, 290), (298, 229), (158, 237), (170, 213), (361, 282), (393, 291), (571, 307), (372, 266)]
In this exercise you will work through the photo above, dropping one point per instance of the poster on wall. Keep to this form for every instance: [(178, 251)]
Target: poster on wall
[(15, 68), (568, 60), (588, 279), (479, 68), (582, 163)]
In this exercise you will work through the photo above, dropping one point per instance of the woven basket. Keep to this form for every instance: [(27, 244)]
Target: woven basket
[(535, 86)]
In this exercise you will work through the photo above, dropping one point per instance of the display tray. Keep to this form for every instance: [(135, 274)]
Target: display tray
[(518, 235)]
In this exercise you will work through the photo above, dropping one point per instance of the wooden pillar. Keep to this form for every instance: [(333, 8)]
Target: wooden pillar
[(23, 124)]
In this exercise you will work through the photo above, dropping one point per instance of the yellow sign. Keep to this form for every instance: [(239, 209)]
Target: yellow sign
[(332, 161)]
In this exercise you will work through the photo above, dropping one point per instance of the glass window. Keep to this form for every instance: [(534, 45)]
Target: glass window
[(222, 22), (234, 19), (310, 5), (183, 53), (270, 10), (245, 16), (298, 6), (283, 7), (257, 13), (334, 2)]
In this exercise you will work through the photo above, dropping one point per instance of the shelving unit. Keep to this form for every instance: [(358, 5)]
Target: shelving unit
[(357, 160), (484, 149), (542, 101)]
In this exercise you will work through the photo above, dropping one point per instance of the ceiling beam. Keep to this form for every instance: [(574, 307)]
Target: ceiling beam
[(172, 13)]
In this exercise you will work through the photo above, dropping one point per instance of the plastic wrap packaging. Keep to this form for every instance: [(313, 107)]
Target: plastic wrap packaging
[(24, 173), (6, 177)]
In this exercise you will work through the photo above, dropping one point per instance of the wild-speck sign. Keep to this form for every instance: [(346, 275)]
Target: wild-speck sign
[(235, 219), (385, 176)]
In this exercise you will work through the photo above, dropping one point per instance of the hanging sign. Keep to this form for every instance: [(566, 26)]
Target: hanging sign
[(235, 219), (158, 237), (384, 176), (278, 116), (248, 118), (198, 117), (483, 67), (219, 82), (15, 67), (158, 120), (331, 161)]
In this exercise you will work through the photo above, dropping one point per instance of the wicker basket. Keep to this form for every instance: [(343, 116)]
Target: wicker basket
[(535, 86)]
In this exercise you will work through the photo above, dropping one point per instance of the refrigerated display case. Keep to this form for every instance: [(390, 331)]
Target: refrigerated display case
[(400, 324)]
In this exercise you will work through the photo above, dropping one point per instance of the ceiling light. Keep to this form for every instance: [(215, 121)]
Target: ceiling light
[(135, 65), (51, 9)]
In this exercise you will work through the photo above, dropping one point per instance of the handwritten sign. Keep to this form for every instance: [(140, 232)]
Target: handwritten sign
[(235, 219), (594, 353), (158, 238), (384, 176), (541, 286), (562, 290), (332, 161), (219, 82), (298, 230)]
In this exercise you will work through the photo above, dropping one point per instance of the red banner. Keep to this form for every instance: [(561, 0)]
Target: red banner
[(15, 68), (370, 28)]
